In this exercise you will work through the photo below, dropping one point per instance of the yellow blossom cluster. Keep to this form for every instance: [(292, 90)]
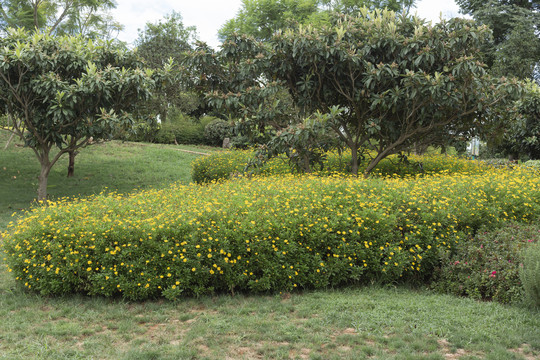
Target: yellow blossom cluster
[(259, 234), (232, 164)]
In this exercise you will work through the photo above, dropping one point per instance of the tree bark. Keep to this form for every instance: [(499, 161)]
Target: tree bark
[(9, 140), (71, 165), (43, 178), (354, 160)]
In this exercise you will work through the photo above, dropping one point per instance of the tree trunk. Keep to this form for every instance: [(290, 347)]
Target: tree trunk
[(374, 163), (43, 178), (306, 166), (9, 140), (354, 160), (443, 149), (71, 166), (420, 149)]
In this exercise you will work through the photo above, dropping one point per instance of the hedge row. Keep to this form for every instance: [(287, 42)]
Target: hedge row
[(225, 165), (183, 130), (260, 234)]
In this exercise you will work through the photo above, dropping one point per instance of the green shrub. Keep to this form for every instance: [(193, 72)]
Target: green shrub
[(4, 121), (530, 275), (217, 130), (534, 164), (488, 266), (260, 234), (143, 132), (183, 130), (221, 166), (227, 164)]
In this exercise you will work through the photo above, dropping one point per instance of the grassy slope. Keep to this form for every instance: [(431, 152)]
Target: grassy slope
[(117, 166), (351, 323)]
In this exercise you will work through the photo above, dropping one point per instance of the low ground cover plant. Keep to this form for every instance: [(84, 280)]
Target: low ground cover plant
[(487, 267), (530, 274), (225, 165), (260, 234)]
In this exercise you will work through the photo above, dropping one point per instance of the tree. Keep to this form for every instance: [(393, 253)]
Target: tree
[(168, 38), (63, 91), (519, 134), (233, 82), (387, 83), (515, 50), (87, 17), (166, 43), (398, 81), (262, 18), (353, 6)]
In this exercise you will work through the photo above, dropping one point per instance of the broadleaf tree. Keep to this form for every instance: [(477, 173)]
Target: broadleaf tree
[(387, 82), (166, 43), (60, 92), (398, 81), (90, 18), (353, 6), (262, 18), (518, 135), (515, 50), (233, 84)]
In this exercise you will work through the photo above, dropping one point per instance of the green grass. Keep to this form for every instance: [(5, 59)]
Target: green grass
[(391, 323), (114, 165), (354, 323)]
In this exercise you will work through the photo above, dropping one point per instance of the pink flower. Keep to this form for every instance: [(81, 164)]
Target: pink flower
[(456, 262), (493, 273)]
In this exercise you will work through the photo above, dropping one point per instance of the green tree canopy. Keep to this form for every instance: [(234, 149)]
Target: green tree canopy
[(518, 135), (386, 82), (353, 6), (165, 43), (90, 18), (516, 43), (63, 91), (262, 18), (168, 38)]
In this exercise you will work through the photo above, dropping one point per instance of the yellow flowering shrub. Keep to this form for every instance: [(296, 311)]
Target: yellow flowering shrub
[(224, 165), (259, 234)]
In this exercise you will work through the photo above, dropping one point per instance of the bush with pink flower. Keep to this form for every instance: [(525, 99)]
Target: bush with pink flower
[(487, 267)]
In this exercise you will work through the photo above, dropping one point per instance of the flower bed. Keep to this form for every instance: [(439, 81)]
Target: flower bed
[(231, 164), (260, 234)]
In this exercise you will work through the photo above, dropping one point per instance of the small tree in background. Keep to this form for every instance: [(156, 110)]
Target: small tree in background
[(234, 83), (515, 50), (518, 134), (63, 91), (165, 43), (90, 18), (261, 18)]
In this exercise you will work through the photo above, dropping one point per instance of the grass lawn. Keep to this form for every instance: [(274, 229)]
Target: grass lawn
[(114, 165), (370, 322), (353, 323)]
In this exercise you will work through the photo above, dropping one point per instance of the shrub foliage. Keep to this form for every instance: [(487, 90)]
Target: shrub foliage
[(223, 165), (488, 266), (260, 234), (217, 130), (183, 130), (530, 275)]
